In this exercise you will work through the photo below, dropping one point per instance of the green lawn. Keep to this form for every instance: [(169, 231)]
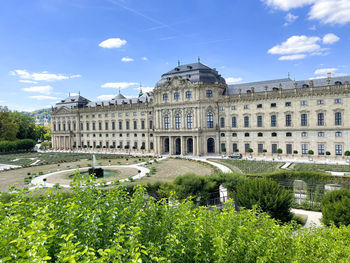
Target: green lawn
[(250, 167), (321, 167)]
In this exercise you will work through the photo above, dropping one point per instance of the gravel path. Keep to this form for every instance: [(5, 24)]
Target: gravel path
[(313, 218)]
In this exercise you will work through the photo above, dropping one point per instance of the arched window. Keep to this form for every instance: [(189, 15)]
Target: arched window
[(166, 122), (189, 121), (210, 120), (222, 122), (177, 121), (274, 89), (222, 134), (260, 134), (337, 83)]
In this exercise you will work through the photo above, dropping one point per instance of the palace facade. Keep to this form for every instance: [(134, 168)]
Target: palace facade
[(192, 111)]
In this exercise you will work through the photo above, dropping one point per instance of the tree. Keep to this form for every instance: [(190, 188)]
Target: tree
[(336, 207), (279, 151), (268, 195), (8, 127), (250, 150), (47, 136)]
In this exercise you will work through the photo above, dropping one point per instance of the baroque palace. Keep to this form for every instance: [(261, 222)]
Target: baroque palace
[(192, 111)]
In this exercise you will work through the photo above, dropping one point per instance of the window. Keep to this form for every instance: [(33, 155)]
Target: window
[(259, 106), (87, 126), (189, 121), (64, 126), (177, 121), (304, 148), (273, 121), (320, 102), (337, 118), (259, 121), (274, 148), (54, 126), (126, 113), (165, 96), (304, 134), (288, 134), (233, 107), (321, 149), (188, 94), (288, 104), (142, 113), (151, 124), (106, 115), (246, 134), (320, 119), (234, 147), (338, 134), (106, 126), (234, 122), (246, 121), (320, 134), (100, 126), (113, 125), (142, 124), (210, 120), (127, 125), (176, 96), (222, 108), (234, 134), (288, 120), (246, 107), (260, 134), (166, 122), (289, 148), (274, 134), (303, 103), (338, 149), (303, 118), (260, 148), (120, 125), (273, 105), (337, 101), (222, 134), (135, 125), (246, 147), (209, 93), (222, 122)]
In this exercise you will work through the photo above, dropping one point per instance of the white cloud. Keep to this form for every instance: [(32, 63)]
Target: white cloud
[(145, 89), (231, 80), (313, 28), (43, 97), (28, 81), (290, 18), (292, 57), (105, 97), (41, 76), (324, 71), (119, 85), (127, 59), (286, 5), (113, 43), (144, 58), (330, 38), (40, 89), (295, 45)]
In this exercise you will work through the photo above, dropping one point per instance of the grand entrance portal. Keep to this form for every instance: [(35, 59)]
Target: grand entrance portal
[(178, 146), (190, 145), (210, 145), (166, 145)]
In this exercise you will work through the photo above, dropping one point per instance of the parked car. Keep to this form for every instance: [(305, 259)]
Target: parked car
[(235, 156)]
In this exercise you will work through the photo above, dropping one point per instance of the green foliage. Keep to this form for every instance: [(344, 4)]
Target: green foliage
[(336, 208), (267, 195), (310, 152), (347, 153), (251, 167), (320, 167), (18, 145), (279, 151), (47, 136), (250, 150)]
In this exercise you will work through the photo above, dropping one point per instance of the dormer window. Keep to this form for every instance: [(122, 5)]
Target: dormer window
[(176, 96), (249, 91), (177, 69), (274, 89), (337, 83), (209, 93), (305, 85), (189, 67)]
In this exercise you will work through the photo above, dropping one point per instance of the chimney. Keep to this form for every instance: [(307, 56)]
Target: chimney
[(329, 74)]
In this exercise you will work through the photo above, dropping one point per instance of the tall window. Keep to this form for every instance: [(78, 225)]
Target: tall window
[(288, 120), (188, 94), (209, 93), (338, 149), (210, 120), (176, 96), (100, 126), (142, 124), (303, 118), (274, 148), (120, 125), (151, 124), (234, 122), (337, 118), (106, 126), (259, 121), (321, 149), (222, 122), (165, 96), (304, 148), (189, 121), (273, 121), (127, 125), (320, 119), (166, 122), (246, 121), (177, 121), (113, 125), (87, 126), (135, 125)]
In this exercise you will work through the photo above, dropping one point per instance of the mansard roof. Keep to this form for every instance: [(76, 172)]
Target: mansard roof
[(285, 83), (195, 72), (73, 101)]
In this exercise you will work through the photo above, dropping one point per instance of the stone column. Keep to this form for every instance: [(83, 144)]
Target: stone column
[(170, 145), (194, 138), (183, 148)]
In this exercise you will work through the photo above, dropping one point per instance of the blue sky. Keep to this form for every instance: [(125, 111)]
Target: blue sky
[(49, 48)]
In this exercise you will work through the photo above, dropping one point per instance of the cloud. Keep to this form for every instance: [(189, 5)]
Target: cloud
[(105, 97), (127, 59), (290, 18), (145, 89), (324, 71), (43, 97), (330, 39), (292, 57), (313, 28), (40, 89), (231, 80), (28, 81), (119, 85), (113, 43), (41, 76), (326, 11), (296, 44), (144, 58)]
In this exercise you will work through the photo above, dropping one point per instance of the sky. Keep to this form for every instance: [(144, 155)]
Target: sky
[(50, 48)]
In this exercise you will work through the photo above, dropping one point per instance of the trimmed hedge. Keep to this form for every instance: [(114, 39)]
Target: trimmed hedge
[(10, 146)]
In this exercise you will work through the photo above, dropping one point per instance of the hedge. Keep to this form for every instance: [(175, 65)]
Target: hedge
[(10, 146)]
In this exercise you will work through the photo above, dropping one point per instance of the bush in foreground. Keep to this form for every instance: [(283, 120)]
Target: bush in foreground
[(336, 207)]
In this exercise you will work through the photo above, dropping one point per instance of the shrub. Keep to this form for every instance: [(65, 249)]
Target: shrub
[(295, 152), (250, 150), (279, 151), (267, 195), (310, 152), (336, 207), (328, 153), (347, 153)]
